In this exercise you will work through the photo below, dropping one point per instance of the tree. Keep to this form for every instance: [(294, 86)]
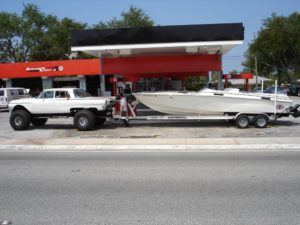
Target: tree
[(277, 48), (9, 31), (134, 17), (195, 83), (34, 35), (21, 36), (56, 41)]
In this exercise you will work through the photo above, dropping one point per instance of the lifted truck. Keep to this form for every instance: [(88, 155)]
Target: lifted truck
[(60, 102)]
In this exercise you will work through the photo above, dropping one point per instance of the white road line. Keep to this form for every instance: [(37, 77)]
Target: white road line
[(6, 223), (150, 148)]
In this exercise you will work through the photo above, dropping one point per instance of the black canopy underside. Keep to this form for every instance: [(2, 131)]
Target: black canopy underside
[(158, 34)]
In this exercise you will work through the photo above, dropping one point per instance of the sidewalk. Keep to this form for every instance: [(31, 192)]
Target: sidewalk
[(157, 144)]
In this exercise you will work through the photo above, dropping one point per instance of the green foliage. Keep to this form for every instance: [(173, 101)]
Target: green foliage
[(9, 29), (195, 83), (134, 17), (234, 72), (34, 35), (277, 48)]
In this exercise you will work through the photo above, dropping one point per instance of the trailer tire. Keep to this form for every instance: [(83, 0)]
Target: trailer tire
[(242, 121), (20, 120), (260, 121), (84, 120)]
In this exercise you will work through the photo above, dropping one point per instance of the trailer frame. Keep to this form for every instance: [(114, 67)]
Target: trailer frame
[(241, 119)]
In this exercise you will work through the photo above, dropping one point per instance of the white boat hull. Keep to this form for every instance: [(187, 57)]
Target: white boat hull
[(213, 102)]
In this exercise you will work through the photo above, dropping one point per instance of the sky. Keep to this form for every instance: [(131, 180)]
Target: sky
[(171, 12)]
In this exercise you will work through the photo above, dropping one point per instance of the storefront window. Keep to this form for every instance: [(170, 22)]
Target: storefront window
[(158, 84)]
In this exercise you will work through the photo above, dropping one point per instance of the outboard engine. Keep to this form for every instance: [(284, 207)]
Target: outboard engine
[(293, 110)]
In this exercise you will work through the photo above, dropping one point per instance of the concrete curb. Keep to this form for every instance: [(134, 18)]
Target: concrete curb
[(149, 148)]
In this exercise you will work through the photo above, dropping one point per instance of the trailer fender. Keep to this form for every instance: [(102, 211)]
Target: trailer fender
[(251, 115)]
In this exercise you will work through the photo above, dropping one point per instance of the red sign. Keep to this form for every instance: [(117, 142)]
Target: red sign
[(238, 76), (45, 69), (50, 68), (151, 66), (161, 64), (113, 80)]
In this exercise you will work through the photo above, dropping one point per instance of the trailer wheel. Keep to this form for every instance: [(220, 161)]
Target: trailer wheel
[(39, 121), (260, 121), (84, 120), (242, 121), (20, 120)]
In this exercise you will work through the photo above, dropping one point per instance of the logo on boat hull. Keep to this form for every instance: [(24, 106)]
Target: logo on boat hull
[(280, 107)]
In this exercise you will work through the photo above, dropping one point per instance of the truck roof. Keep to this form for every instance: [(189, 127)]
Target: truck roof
[(60, 89)]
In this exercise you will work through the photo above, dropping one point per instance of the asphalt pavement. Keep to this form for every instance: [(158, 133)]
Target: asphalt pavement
[(203, 172), (150, 188)]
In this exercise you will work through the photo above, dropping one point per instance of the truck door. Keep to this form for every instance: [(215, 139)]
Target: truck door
[(62, 102), (44, 103)]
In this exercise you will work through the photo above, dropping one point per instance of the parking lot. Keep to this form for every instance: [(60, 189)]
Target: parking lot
[(63, 128)]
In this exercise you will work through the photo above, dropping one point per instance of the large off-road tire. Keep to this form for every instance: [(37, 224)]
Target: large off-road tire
[(84, 120), (39, 121), (242, 121), (20, 120), (260, 121)]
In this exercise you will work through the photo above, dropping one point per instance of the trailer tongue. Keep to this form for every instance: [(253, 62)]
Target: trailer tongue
[(293, 111)]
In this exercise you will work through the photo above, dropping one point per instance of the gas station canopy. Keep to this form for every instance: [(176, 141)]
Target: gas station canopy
[(158, 40)]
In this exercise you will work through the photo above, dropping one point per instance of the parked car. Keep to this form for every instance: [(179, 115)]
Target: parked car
[(280, 90), (294, 89), (256, 90), (9, 94)]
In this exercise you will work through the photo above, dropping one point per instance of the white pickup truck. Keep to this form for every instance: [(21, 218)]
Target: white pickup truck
[(57, 102)]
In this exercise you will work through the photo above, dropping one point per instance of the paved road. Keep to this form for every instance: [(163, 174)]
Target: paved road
[(150, 188)]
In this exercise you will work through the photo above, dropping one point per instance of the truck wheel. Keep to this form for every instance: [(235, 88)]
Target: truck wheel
[(242, 121), (19, 120), (84, 120), (260, 121), (100, 121), (39, 121)]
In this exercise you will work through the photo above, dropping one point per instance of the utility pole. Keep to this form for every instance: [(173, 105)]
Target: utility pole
[(256, 75), (255, 65)]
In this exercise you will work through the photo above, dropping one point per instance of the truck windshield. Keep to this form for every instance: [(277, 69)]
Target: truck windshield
[(79, 93)]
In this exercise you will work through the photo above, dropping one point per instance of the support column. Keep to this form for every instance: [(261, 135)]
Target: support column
[(247, 85), (102, 85), (47, 82), (82, 82), (209, 76), (8, 82), (220, 78), (182, 84)]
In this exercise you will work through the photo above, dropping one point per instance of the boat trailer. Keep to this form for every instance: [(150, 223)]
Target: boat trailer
[(241, 119)]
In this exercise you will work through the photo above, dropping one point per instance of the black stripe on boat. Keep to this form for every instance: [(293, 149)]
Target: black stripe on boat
[(266, 98)]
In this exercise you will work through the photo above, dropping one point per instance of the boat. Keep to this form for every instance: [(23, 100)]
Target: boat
[(214, 102)]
